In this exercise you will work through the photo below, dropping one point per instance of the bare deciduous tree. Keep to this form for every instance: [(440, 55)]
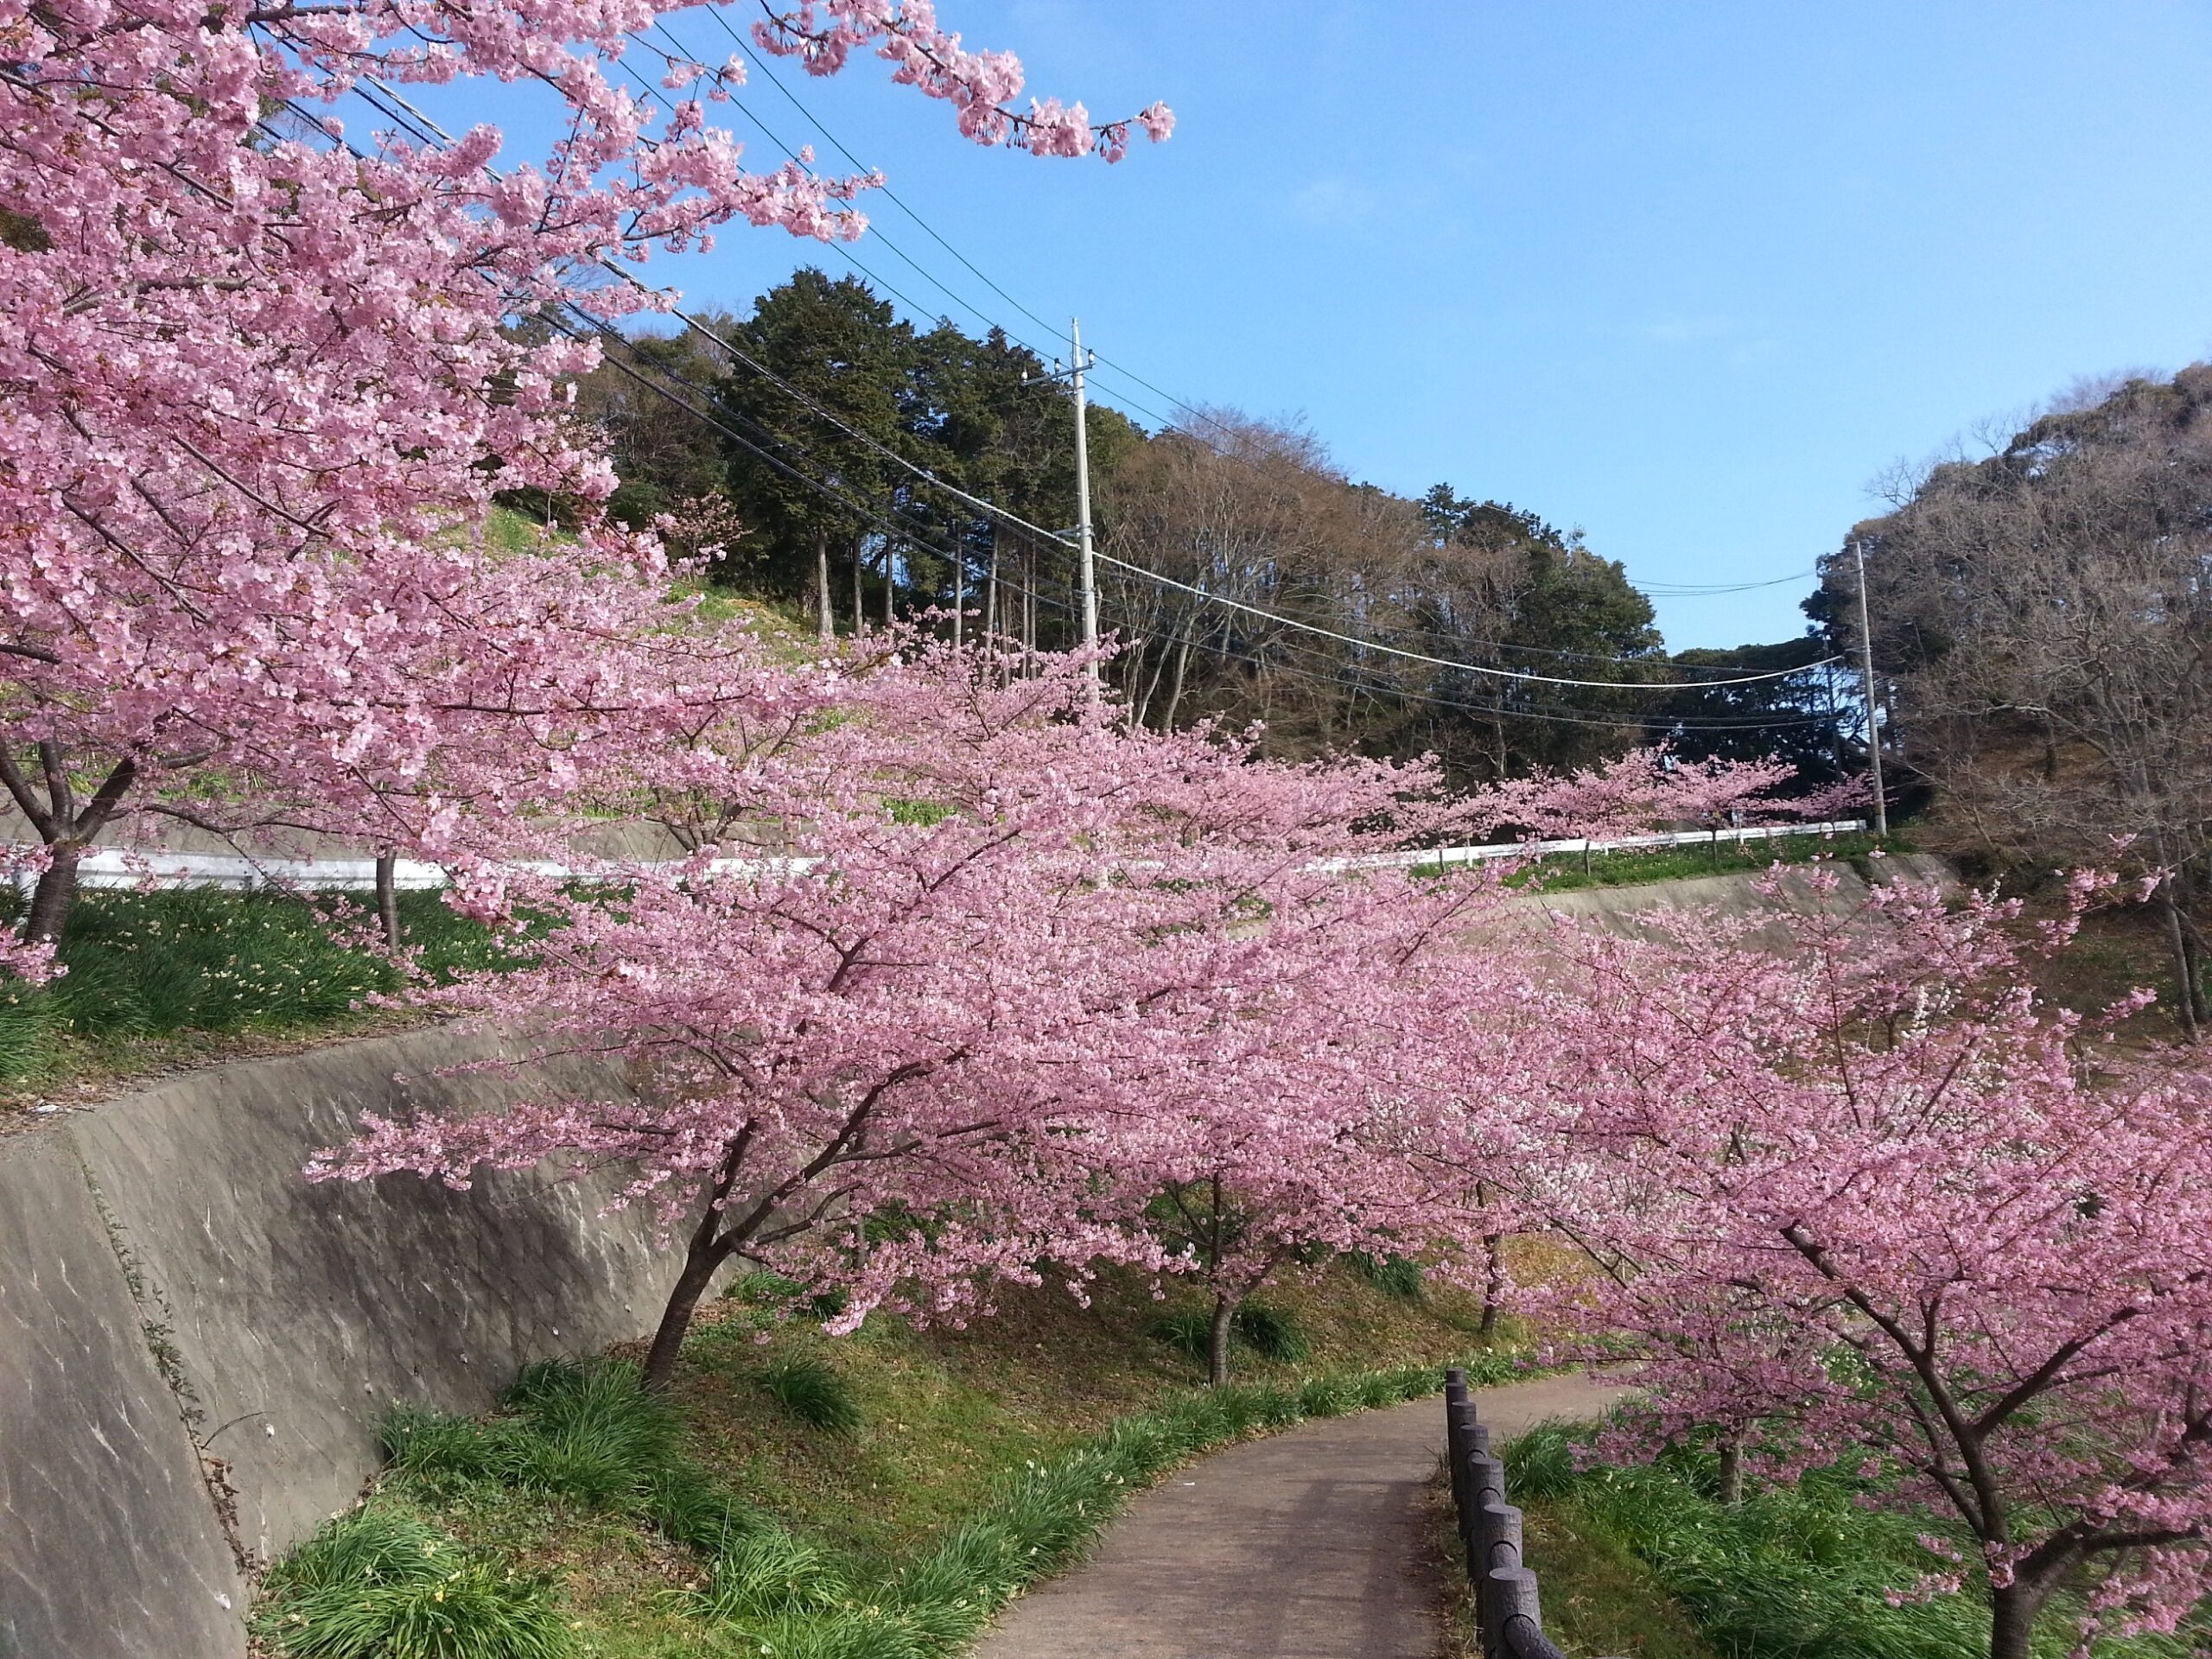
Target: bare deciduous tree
[(2045, 617)]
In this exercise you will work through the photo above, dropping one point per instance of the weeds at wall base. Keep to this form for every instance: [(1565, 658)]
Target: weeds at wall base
[(584, 1436)]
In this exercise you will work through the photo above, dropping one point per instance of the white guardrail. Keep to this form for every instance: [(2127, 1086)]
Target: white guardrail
[(240, 872)]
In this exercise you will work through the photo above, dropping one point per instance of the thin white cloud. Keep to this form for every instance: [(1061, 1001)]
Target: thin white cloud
[(1331, 202)]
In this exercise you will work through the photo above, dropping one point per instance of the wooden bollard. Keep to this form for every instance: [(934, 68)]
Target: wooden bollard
[(1497, 1540), (1507, 1593)]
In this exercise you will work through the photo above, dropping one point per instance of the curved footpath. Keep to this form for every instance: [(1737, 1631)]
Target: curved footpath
[(1308, 1545)]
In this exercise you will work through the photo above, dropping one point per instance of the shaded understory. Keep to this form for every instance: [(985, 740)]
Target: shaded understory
[(872, 1497)]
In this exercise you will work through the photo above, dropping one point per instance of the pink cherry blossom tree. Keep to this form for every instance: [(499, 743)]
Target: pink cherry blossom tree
[(258, 381), (1868, 1196), (904, 1057), (1278, 1096), (1636, 792)]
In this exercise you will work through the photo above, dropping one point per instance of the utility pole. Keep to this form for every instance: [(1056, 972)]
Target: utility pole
[(1087, 572), (1866, 674), (1083, 504)]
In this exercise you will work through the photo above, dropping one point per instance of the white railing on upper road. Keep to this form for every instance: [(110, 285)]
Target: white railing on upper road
[(128, 868)]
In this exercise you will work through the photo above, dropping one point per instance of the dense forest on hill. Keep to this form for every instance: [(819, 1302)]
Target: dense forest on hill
[(1260, 538)]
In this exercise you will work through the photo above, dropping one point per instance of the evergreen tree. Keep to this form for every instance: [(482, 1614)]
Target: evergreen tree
[(848, 352)]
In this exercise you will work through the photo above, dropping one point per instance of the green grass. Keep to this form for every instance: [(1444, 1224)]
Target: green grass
[(1270, 1331), (379, 1583), (145, 967), (705, 1524), (1392, 1274), (1258, 1328), (808, 1388), (1805, 1572), (1564, 873), (1596, 1599)]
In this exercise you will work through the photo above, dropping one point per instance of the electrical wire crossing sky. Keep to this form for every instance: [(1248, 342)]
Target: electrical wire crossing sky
[(1687, 279)]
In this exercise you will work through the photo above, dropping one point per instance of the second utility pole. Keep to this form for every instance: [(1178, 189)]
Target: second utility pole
[(1874, 726), (1087, 573), (1089, 570)]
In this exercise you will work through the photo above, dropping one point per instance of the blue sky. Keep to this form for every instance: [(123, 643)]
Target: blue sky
[(1687, 276)]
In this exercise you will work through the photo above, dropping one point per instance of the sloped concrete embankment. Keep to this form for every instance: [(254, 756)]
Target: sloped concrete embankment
[(197, 1345), (1743, 896)]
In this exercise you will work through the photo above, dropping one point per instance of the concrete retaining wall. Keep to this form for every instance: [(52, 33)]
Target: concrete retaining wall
[(196, 1345)]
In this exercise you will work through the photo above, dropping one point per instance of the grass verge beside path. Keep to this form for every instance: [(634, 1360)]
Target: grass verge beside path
[(180, 977), (745, 1516), (1797, 1573), (1597, 1600), (1564, 872)]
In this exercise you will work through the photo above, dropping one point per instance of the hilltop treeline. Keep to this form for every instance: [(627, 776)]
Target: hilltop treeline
[(2042, 616)]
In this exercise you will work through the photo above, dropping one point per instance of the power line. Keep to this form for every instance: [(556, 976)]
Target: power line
[(919, 535), (892, 520), (1544, 713), (993, 510), (1656, 590), (1695, 590)]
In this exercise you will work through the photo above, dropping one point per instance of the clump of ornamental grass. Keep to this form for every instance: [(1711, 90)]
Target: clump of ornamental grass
[(1269, 1332), (1187, 1330), (584, 1431), (1394, 1276), (378, 1584), (811, 1390)]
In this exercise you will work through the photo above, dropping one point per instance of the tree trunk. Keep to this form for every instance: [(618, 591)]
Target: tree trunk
[(1493, 1281), (56, 893), (825, 619), (1224, 1312), (991, 589), (1732, 1469), (1175, 689), (2012, 1619), (2185, 964), (959, 596), (1029, 604), (388, 896), (860, 552), (705, 1254), (890, 578)]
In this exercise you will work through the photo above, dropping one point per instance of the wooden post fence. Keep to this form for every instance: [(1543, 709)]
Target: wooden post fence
[(1507, 1612)]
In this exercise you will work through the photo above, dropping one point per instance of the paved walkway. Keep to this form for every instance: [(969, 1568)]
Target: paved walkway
[(1305, 1545)]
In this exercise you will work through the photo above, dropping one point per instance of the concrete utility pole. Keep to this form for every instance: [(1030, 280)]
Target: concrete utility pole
[(1083, 502), (1866, 673), (1087, 572)]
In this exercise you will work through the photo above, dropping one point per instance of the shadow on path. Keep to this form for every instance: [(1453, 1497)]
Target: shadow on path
[(1305, 1545)]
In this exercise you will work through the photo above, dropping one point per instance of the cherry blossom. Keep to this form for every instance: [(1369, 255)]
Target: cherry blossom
[(1850, 1186), (262, 382)]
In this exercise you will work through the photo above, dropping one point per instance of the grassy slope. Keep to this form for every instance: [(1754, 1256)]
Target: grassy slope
[(161, 980), (947, 1416), (1564, 872), (1597, 1598)]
